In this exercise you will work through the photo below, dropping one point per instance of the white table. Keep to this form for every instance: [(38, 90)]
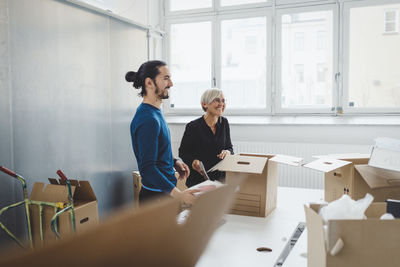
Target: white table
[(235, 243)]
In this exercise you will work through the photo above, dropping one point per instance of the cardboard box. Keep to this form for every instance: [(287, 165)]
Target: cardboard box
[(356, 243), (350, 174), (257, 194), (85, 204), (148, 236)]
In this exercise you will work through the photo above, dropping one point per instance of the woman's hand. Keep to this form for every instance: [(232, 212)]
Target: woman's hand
[(182, 169), (223, 154), (196, 166)]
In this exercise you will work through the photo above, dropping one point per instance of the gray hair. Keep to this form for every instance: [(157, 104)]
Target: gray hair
[(209, 95)]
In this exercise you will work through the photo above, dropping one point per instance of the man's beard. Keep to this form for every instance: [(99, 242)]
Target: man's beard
[(161, 95)]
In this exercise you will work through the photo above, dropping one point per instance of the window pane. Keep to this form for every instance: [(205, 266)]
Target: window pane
[(307, 49), (240, 2), (190, 63), (374, 74), (243, 62), (177, 5)]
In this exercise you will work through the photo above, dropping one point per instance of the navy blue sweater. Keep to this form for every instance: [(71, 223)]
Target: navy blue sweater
[(151, 144)]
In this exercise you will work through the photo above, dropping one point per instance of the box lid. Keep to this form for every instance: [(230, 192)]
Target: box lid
[(238, 163), (50, 192), (57, 191), (290, 160), (346, 156), (377, 177), (326, 164), (385, 158)]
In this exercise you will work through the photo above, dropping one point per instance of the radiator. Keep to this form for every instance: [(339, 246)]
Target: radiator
[(291, 176)]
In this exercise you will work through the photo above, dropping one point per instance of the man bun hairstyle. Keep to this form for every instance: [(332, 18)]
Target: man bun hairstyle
[(149, 69)]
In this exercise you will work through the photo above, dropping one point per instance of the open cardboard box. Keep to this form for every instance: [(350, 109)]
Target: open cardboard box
[(350, 174), (353, 243), (257, 194), (148, 236), (85, 206)]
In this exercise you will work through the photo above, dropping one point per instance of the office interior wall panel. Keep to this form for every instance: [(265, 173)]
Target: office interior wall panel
[(69, 107)]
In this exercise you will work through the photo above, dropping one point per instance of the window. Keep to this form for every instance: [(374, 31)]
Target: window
[(299, 73), (300, 87), (391, 21), (323, 61), (299, 41), (239, 2), (228, 51), (178, 5), (243, 58), (321, 39), (190, 63), (321, 72), (372, 77)]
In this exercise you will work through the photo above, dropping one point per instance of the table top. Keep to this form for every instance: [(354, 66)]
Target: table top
[(236, 241)]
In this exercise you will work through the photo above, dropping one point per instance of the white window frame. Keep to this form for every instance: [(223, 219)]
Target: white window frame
[(345, 73), (278, 63), (396, 21), (303, 2), (253, 14), (167, 12), (167, 103), (215, 19)]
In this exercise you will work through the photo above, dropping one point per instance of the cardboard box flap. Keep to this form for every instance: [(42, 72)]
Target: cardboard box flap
[(85, 192), (50, 192), (377, 177), (294, 161), (238, 163), (83, 189), (345, 156), (385, 159), (326, 164), (315, 234), (131, 237)]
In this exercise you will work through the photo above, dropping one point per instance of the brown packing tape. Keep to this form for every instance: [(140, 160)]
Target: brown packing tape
[(149, 236)]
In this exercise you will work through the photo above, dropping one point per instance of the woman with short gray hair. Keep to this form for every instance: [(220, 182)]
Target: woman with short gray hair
[(207, 139)]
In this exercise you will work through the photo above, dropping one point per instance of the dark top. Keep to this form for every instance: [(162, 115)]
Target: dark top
[(199, 142), (151, 142)]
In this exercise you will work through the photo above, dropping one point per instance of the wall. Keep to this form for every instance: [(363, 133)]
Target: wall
[(6, 158), (66, 104)]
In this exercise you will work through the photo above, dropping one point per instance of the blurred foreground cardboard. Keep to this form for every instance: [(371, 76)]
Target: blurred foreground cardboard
[(350, 174), (258, 193), (366, 243), (149, 236), (85, 206)]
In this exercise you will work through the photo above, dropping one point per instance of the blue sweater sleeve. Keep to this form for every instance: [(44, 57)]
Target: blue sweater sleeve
[(147, 143)]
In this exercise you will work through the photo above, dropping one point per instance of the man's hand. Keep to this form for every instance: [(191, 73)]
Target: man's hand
[(182, 169), (223, 154)]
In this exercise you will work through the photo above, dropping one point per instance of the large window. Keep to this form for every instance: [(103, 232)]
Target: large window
[(300, 59), (190, 68), (372, 78), (243, 62), (285, 56)]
